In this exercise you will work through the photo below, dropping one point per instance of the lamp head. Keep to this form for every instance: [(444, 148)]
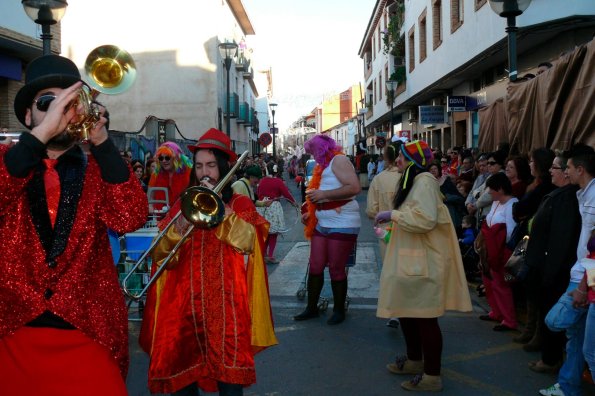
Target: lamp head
[(391, 85), (45, 12), (509, 8), (228, 49)]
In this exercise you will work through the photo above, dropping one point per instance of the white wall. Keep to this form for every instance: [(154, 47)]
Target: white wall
[(174, 44)]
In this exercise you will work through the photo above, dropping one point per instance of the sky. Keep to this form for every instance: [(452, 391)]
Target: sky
[(312, 47)]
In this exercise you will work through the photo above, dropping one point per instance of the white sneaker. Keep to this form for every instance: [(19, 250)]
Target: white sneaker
[(553, 390)]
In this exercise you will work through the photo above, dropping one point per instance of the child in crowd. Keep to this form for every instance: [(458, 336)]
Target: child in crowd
[(469, 230), (470, 258)]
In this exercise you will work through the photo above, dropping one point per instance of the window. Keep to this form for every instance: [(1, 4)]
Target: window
[(436, 23), (422, 36), (379, 37), (412, 49), (380, 86), (373, 48), (456, 14), (375, 94)]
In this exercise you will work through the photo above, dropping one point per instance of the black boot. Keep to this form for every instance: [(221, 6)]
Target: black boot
[(339, 297), (315, 283)]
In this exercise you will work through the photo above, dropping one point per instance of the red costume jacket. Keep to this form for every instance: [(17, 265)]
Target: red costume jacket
[(207, 316), (69, 270), (175, 186)]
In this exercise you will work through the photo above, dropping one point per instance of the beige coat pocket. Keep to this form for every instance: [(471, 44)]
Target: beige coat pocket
[(412, 262)]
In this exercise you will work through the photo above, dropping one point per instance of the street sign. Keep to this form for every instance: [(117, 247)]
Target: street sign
[(431, 115), (265, 139), (380, 142), (405, 134)]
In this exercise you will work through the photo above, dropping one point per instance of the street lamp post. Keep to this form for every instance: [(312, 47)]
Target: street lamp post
[(228, 51), (510, 9), (274, 131), (391, 85), (45, 13)]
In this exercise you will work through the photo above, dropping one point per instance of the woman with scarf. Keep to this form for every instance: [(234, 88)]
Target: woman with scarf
[(423, 273), (332, 223)]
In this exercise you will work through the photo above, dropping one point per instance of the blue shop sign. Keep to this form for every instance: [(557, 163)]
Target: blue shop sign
[(457, 103), (432, 115)]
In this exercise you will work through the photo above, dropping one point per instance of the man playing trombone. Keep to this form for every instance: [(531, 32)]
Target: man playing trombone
[(63, 321), (208, 313)]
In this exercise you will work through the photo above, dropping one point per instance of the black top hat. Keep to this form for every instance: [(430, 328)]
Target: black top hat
[(47, 71)]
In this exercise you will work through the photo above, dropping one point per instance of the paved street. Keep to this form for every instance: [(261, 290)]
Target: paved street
[(313, 358)]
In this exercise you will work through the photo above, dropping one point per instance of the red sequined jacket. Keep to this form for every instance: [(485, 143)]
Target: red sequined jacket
[(69, 270)]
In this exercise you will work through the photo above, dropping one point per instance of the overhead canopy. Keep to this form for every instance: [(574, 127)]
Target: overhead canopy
[(553, 110)]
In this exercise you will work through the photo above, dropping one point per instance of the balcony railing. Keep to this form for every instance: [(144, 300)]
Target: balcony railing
[(243, 113), (233, 108)]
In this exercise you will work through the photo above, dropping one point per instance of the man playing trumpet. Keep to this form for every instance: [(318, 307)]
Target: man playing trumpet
[(208, 313), (63, 321)]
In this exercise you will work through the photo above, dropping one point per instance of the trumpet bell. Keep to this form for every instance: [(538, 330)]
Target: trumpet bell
[(111, 69), (202, 207)]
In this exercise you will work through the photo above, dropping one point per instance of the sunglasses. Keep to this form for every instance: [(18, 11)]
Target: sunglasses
[(164, 158), (43, 102), (492, 162)]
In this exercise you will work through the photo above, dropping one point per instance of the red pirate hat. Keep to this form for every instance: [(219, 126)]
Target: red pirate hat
[(215, 139)]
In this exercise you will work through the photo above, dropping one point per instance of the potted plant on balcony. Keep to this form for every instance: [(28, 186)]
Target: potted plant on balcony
[(399, 75), (394, 43)]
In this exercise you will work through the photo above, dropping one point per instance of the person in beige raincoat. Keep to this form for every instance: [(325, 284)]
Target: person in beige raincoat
[(422, 275)]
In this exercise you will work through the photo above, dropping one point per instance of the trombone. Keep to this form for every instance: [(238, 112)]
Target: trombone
[(202, 207)]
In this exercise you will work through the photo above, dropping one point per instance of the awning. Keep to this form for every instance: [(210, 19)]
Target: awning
[(10, 67)]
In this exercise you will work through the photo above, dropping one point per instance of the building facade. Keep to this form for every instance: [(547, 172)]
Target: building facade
[(181, 81), (456, 50)]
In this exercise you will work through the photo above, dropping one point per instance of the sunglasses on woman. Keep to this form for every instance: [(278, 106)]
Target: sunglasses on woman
[(43, 102), (164, 158)]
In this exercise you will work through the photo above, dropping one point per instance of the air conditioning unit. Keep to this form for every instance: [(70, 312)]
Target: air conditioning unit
[(412, 115)]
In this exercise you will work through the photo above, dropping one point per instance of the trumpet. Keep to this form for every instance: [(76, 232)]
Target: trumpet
[(202, 207), (111, 71)]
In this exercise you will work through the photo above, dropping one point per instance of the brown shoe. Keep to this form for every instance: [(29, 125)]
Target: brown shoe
[(402, 365), (523, 338), (540, 367), (423, 383)]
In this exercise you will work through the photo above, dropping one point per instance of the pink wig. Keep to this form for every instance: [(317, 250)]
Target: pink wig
[(179, 160), (323, 148)]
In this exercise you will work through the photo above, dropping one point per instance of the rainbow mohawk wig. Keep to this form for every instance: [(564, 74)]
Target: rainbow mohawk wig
[(179, 160)]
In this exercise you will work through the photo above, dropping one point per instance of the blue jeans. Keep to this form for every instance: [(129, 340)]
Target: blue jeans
[(564, 317), (589, 345)]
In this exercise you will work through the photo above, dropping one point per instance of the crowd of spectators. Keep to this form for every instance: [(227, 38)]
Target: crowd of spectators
[(549, 196)]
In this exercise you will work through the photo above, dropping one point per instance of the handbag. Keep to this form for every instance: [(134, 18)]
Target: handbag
[(516, 262)]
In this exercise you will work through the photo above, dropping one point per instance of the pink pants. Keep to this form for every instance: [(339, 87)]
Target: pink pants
[(499, 295)]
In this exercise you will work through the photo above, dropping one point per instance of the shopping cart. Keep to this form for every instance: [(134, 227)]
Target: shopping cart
[(132, 246), (326, 293)]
